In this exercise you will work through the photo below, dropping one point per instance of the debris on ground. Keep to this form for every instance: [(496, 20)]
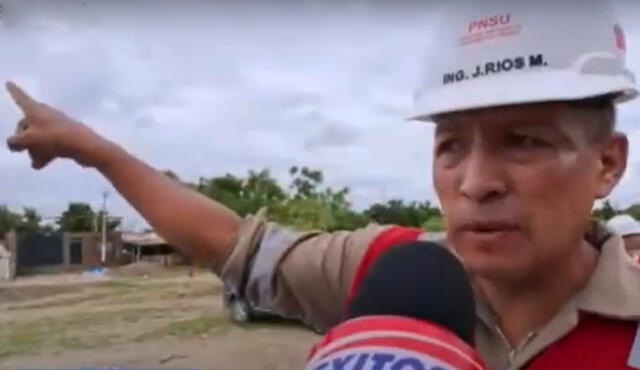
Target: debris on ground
[(164, 360), (94, 274)]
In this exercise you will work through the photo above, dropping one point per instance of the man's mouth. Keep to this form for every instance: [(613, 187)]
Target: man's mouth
[(489, 227)]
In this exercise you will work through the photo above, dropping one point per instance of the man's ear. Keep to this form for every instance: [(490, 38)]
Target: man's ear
[(612, 163)]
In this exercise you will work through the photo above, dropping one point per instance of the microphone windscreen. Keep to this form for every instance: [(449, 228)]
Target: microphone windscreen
[(419, 280)]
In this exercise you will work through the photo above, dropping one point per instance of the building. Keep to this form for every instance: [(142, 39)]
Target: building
[(86, 249), (36, 252), (149, 246)]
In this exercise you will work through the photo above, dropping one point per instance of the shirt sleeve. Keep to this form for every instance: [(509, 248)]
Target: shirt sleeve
[(295, 274)]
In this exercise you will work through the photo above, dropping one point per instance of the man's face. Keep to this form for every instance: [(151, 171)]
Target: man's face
[(517, 185)]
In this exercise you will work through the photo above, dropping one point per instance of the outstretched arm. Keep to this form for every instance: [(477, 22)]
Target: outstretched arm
[(199, 226)]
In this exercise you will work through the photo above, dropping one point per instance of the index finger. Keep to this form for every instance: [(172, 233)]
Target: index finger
[(20, 97)]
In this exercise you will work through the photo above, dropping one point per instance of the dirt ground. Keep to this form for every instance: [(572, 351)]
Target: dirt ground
[(136, 318)]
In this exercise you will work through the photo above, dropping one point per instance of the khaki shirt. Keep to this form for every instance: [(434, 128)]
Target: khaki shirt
[(307, 276)]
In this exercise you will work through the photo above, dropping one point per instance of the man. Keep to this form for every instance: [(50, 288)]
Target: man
[(629, 229), (523, 97)]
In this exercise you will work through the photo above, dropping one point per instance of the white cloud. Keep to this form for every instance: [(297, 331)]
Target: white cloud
[(205, 88)]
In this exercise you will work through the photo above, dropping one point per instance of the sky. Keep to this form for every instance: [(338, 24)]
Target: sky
[(208, 88)]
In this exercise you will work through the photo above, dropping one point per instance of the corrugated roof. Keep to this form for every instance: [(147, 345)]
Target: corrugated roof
[(148, 238)]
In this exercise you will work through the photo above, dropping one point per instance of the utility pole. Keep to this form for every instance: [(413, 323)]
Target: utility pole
[(103, 244)]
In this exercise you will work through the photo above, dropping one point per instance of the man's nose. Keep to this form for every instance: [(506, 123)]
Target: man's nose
[(482, 177)]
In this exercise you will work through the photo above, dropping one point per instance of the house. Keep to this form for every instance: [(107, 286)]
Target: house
[(38, 252), (85, 249), (149, 246)]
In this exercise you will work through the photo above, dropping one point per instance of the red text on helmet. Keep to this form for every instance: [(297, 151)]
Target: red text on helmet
[(489, 22)]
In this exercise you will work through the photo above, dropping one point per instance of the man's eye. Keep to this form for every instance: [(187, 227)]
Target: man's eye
[(448, 146)]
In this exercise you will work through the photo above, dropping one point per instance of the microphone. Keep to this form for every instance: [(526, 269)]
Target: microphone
[(413, 311)]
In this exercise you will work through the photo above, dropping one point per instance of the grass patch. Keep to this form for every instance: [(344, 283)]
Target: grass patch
[(123, 291), (77, 331), (127, 291), (20, 294), (120, 283), (104, 313), (82, 342), (56, 302), (198, 326), (272, 324), (121, 287), (29, 337)]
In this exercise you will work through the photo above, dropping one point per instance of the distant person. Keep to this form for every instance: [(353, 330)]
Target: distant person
[(523, 96), (629, 228)]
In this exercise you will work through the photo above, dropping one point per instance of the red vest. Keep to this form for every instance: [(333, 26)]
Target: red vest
[(595, 343)]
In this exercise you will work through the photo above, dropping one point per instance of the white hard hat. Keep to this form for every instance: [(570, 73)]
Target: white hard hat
[(624, 225), (502, 52)]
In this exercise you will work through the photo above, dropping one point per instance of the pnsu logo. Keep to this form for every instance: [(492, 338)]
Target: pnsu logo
[(488, 28), (489, 23)]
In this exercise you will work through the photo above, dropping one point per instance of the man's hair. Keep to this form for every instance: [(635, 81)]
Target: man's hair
[(599, 116)]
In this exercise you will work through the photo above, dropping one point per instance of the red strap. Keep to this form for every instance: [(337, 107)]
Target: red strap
[(383, 242), (596, 343)]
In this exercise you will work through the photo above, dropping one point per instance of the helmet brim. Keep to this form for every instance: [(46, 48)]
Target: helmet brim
[(521, 88)]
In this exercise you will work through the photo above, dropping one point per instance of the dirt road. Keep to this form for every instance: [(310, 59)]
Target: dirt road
[(170, 321)]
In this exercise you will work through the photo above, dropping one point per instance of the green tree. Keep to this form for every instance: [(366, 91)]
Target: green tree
[(306, 203), (310, 206), (344, 217), (79, 217), (112, 222), (606, 212), (397, 212), (305, 182), (435, 223), (243, 195), (262, 189), (30, 221), (9, 220), (634, 211)]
